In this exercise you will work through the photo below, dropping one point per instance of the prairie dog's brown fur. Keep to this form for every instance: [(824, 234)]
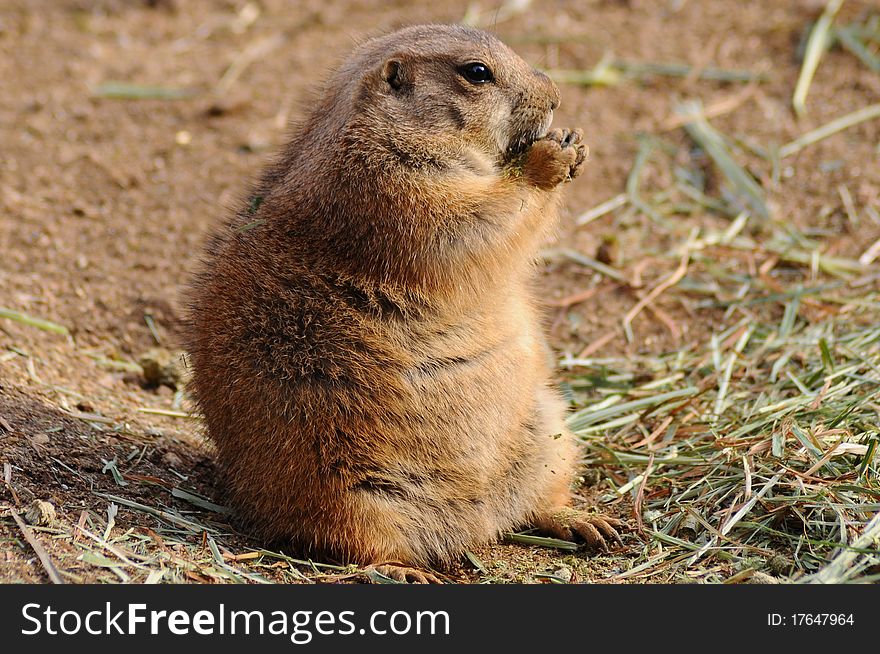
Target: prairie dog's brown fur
[(365, 345)]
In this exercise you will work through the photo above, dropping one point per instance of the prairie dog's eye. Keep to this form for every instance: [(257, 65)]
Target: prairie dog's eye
[(477, 73)]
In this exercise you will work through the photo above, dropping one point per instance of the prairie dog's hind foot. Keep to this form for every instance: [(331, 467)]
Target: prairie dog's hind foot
[(592, 529), (402, 574)]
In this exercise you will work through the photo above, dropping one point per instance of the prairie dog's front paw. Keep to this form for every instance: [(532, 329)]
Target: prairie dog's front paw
[(556, 158)]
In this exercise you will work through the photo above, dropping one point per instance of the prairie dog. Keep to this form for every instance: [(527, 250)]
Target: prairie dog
[(366, 348)]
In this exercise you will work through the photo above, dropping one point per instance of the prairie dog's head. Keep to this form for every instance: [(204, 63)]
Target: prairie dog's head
[(451, 84)]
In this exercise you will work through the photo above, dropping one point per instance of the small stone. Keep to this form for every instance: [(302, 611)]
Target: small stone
[(163, 367), (608, 251), (40, 513), (779, 565), (689, 528), (591, 477), (761, 578), (565, 573)]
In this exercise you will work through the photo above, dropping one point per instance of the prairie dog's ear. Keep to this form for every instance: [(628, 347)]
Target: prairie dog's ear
[(396, 73)]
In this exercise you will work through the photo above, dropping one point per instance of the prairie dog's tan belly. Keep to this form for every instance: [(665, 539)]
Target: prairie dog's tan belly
[(477, 397)]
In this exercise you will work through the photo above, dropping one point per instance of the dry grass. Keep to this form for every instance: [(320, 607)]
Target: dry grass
[(756, 445)]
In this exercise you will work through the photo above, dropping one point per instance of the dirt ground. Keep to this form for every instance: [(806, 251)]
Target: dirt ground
[(105, 202)]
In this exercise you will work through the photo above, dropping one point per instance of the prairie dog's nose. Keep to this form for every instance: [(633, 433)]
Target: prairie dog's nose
[(551, 88)]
